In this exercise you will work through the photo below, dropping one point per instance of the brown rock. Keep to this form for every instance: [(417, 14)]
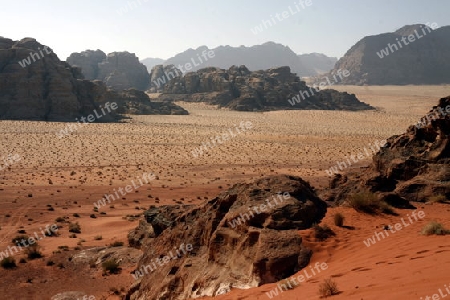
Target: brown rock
[(413, 166), (261, 248)]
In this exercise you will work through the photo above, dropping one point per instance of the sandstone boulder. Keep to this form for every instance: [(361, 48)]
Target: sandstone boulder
[(234, 245)]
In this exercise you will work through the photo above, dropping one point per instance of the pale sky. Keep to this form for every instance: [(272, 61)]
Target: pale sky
[(163, 28)]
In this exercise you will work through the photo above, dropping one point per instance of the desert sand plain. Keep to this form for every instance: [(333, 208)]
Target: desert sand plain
[(69, 174)]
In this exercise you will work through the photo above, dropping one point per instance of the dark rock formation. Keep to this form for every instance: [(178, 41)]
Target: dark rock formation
[(88, 62), (36, 85), (423, 61), (233, 244), (413, 166), (240, 89), (119, 70)]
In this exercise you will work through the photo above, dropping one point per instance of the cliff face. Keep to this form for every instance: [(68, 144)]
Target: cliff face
[(240, 89), (88, 61), (119, 70), (190, 252), (36, 85), (413, 166), (386, 58)]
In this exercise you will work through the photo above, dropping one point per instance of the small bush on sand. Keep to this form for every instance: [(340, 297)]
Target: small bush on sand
[(8, 263), (438, 199), (321, 233), (369, 203), (33, 252), (328, 288), (435, 228), (110, 266), (74, 227)]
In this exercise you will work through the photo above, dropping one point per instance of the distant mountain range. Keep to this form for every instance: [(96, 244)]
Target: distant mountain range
[(414, 54), (259, 57)]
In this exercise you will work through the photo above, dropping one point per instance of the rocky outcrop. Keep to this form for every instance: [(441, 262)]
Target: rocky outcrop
[(122, 70), (135, 102), (161, 75), (88, 62), (36, 85), (413, 166), (385, 59), (240, 89), (245, 237), (119, 70)]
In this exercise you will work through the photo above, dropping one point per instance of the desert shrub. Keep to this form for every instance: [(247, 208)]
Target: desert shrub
[(60, 220), (76, 215), (434, 228), (21, 231), (321, 233), (19, 238), (110, 266), (339, 219), (328, 288), (33, 252), (369, 203), (98, 238), (72, 236), (93, 216), (74, 227), (8, 263), (50, 263), (116, 244), (438, 199)]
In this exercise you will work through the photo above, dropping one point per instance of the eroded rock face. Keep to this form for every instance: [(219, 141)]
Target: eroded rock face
[(240, 89), (160, 75), (122, 70), (119, 70), (233, 245), (88, 62), (413, 166), (38, 86)]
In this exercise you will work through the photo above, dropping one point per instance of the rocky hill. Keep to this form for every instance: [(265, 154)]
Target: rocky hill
[(119, 70), (240, 89), (414, 54), (414, 166), (36, 85), (258, 57), (151, 62), (243, 238), (317, 62)]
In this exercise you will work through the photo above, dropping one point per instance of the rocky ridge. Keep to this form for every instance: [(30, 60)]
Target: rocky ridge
[(414, 166), (240, 89)]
